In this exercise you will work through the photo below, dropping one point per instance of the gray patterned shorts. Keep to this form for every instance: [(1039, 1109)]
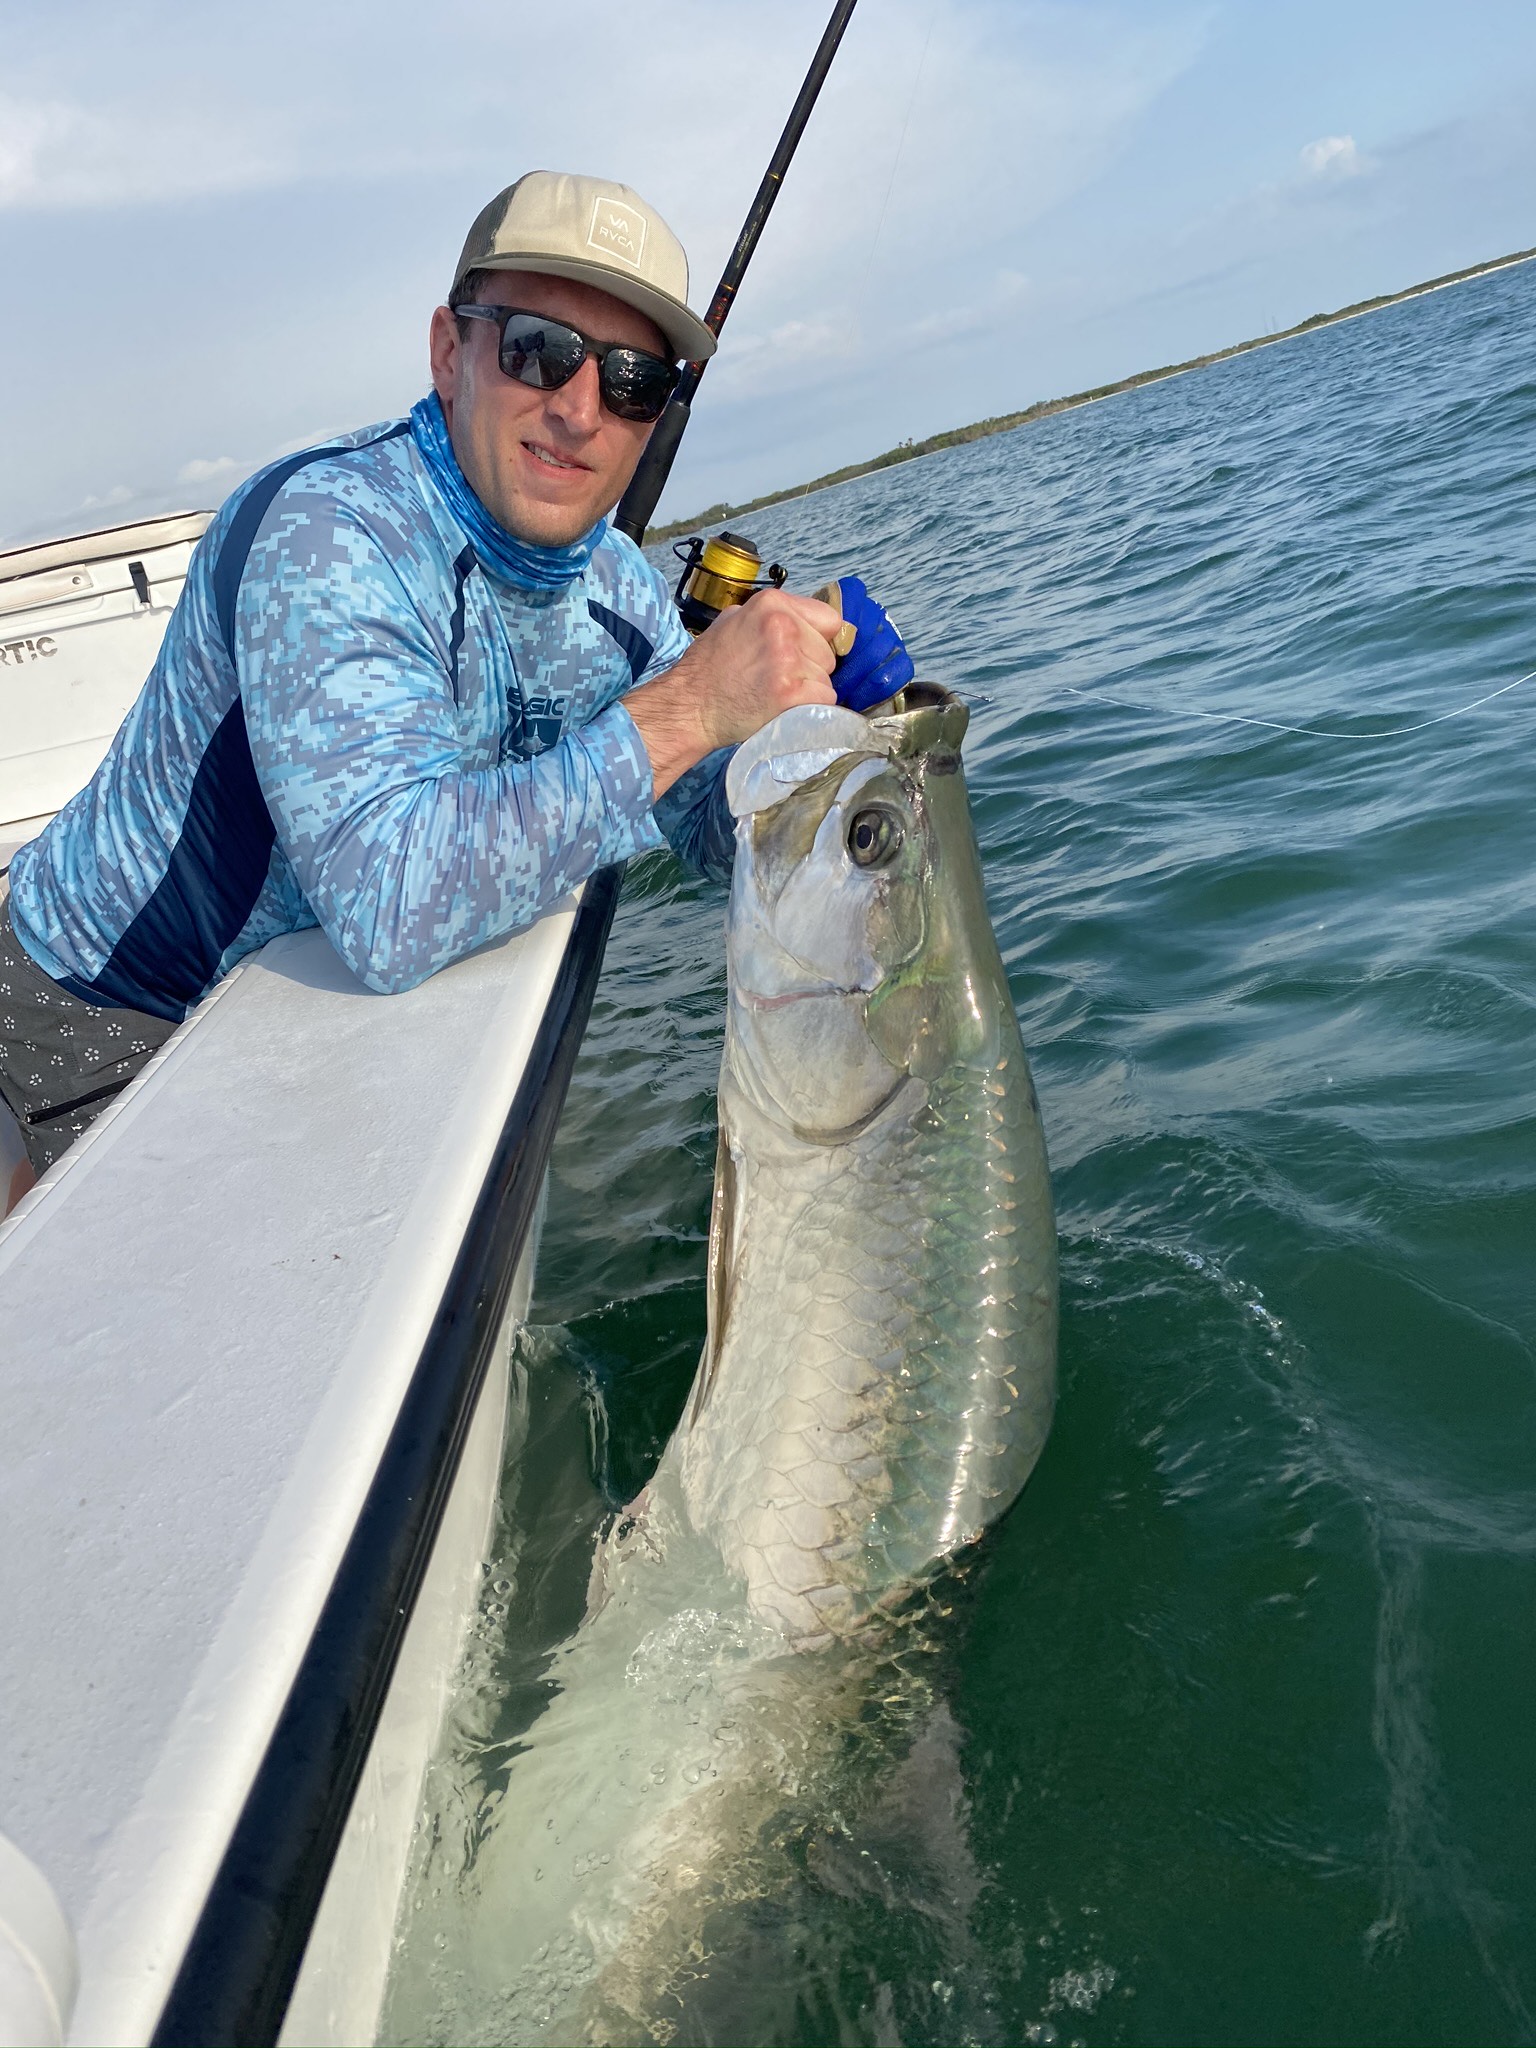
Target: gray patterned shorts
[(61, 1060)]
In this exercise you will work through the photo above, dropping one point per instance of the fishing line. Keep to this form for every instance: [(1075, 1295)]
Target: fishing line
[(862, 294), (901, 147), (1315, 732)]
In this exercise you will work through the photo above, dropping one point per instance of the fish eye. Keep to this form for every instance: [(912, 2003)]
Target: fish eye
[(874, 838)]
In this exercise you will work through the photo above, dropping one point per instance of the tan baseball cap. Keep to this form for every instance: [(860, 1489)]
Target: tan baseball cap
[(598, 233)]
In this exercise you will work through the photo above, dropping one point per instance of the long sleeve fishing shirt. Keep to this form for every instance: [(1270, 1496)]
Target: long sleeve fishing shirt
[(351, 723)]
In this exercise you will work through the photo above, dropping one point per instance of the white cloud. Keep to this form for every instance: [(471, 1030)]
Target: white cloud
[(949, 323), (61, 155), (203, 469), (779, 359), (948, 130), (945, 122), (27, 135), (104, 501), (1334, 156)]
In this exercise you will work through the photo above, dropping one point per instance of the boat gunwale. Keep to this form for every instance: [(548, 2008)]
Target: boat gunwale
[(238, 1971)]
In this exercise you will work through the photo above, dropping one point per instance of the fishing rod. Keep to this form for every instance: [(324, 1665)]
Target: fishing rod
[(649, 480)]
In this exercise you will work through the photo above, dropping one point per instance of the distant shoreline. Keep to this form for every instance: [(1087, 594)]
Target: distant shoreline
[(908, 451)]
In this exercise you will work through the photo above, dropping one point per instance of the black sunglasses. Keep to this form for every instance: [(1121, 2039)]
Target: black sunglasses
[(546, 353)]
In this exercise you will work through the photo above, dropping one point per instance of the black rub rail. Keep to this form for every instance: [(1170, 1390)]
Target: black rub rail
[(241, 1964)]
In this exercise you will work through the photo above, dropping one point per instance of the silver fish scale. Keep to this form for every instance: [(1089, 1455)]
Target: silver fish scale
[(886, 1374)]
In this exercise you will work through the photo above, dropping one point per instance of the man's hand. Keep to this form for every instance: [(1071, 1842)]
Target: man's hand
[(755, 661)]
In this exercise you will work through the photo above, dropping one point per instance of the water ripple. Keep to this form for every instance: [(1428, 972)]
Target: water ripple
[(1241, 1698)]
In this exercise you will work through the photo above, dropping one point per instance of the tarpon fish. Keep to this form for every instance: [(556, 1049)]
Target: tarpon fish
[(880, 1367), (876, 1385)]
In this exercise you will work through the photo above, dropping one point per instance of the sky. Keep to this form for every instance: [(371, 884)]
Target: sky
[(223, 229)]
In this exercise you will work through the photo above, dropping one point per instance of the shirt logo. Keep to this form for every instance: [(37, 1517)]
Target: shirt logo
[(544, 720), (617, 231)]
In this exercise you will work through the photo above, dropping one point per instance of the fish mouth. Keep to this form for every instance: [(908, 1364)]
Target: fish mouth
[(753, 1000)]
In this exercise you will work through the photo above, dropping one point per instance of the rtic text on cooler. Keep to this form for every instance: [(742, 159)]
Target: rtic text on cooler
[(15, 652)]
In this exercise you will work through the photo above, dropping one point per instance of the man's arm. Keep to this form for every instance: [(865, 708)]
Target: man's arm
[(714, 689), (691, 809), (693, 815), (408, 859), (696, 819)]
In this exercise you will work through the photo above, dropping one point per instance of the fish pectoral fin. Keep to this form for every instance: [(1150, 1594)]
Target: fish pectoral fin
[(717, 1290), (627, 1534)]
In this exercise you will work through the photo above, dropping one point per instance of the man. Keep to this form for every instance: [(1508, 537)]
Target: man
[(415, 689)]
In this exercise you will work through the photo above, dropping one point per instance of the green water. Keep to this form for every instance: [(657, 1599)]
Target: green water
[(1241, 1694)]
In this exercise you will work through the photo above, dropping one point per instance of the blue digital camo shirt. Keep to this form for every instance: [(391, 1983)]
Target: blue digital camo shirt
[(352, 724)]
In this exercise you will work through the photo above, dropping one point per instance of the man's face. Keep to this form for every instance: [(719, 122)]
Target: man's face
[(545, 464)]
